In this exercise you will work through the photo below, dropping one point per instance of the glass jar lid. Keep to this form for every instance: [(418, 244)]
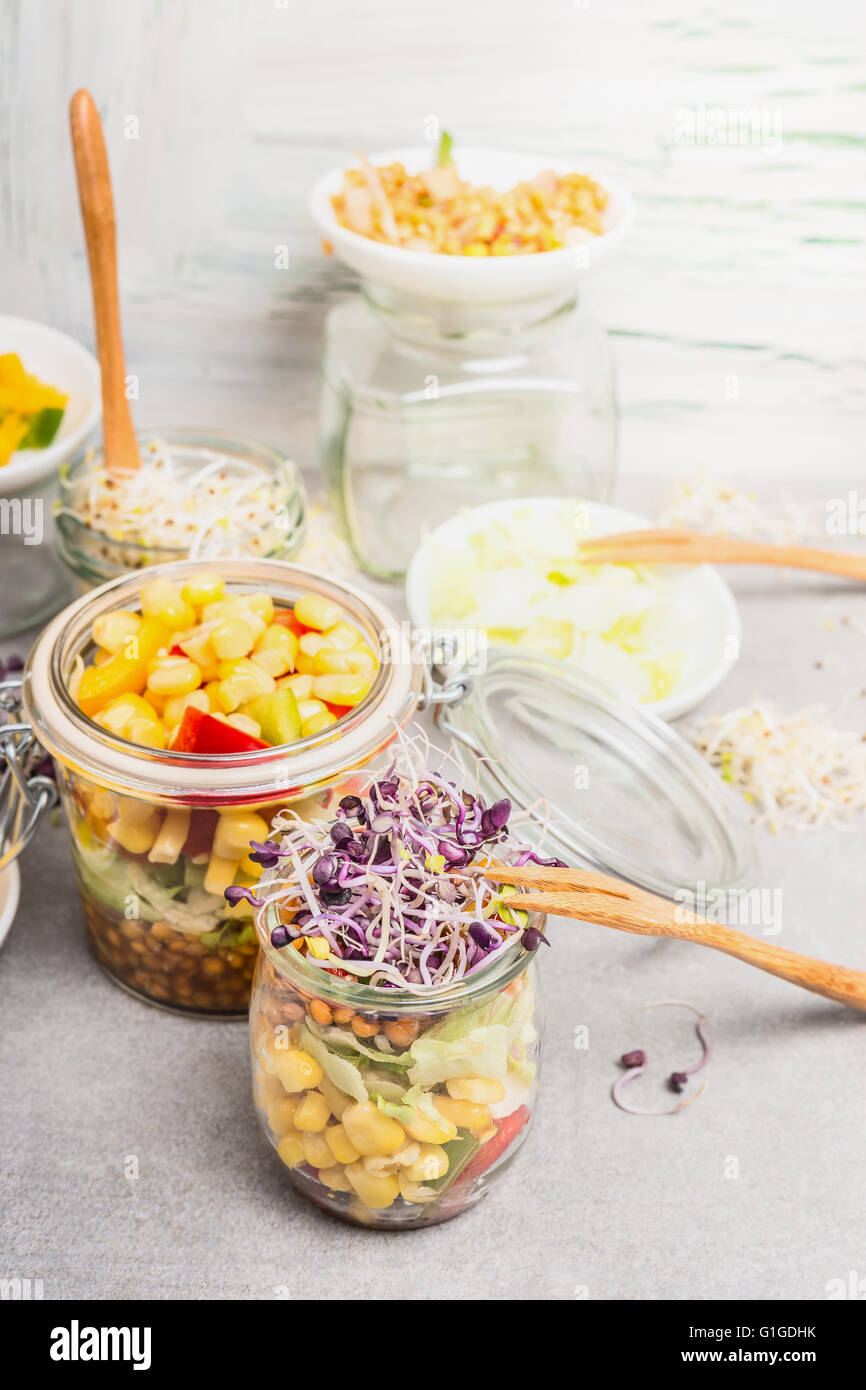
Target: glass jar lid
[(616, 789)]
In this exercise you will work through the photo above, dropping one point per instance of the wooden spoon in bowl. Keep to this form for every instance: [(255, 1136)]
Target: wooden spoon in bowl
[(97, 211)]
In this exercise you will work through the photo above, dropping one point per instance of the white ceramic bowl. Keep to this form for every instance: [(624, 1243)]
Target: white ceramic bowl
[(709, 610), (62, 362), (470, 278)]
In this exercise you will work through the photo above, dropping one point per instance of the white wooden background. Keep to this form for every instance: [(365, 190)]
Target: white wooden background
[(737, 307)]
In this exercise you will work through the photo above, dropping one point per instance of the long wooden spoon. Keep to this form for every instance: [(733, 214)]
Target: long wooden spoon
[(592, 897), (97, 211), (662, 547)]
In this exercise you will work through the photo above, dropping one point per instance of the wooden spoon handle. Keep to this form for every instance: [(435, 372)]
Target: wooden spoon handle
[(97, 211), (652, 916), (694, 548)]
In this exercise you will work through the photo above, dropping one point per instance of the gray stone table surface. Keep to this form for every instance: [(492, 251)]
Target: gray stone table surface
[(756, 1190)]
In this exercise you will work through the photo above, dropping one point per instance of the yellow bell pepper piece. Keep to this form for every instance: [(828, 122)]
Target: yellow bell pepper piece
[(126, 672), (12, 431)]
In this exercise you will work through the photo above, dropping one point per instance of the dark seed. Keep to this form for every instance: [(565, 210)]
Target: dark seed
[(633, 1059)]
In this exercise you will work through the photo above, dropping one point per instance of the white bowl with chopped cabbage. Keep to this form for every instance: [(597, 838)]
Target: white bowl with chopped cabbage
[(662, 636)]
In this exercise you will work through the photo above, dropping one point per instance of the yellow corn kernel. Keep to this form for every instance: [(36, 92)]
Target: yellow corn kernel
[(317, 723), (308, 644), (341, 1146), (432, 1163), (111, 630), (232, 606), (101, 656), (131, 717), (481, 1090), (313, 1113), (278, 639), (246, 682), (375, 1193), (212, 691), (271, 661), (174, 675), (380, 1166), (262, 605), (341, 689), (316, 1151), (291, 1149), (342, 636), (280, 1112), (136, 836), (414, 1191), (131, 809), (234, 831), (220, 874), (175, 705), (314, 611), (201, 589), (308, 709), (232, 638), (327, 661), (463, 1113), (298, 1071), (172, 835), (197, 645), (338, 1103), (164, 601), (301, 686), (429, 1131), (156, 702), (245, 724), (408, 1154), (361, 660), (370, 1131), (335, 1179)]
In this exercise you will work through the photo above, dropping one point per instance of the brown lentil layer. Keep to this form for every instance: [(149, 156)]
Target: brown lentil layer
[(171, 967)]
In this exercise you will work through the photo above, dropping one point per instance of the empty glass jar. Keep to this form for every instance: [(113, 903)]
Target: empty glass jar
[(427, 407)]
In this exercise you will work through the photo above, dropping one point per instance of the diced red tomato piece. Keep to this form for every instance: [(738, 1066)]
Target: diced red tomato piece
[(187, 730), (285, 617), (214, 736), (176, 650), (507, 1132), (338, 710)]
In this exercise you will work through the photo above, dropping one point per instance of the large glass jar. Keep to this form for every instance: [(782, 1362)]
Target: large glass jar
[(428, 406), (387, 1108), (144, 822)]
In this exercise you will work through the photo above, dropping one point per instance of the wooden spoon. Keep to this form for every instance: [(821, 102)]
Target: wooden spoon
[(673, 547), (97, 211), (592, 897)]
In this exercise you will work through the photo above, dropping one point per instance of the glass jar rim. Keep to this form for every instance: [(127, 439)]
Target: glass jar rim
[(292, 966), (188, 436), (169, 777)]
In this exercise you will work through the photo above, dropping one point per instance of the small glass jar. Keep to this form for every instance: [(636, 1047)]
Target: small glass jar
[(95, 556), (143, 821), (426, 407), (352, 1084)]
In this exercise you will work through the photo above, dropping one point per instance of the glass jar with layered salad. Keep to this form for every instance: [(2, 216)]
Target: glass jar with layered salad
[(395, 1019), (183, 709), (198, 494)]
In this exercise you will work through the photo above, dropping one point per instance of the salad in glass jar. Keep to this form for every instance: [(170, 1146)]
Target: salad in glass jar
[(395, 1020), (184, 708)]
